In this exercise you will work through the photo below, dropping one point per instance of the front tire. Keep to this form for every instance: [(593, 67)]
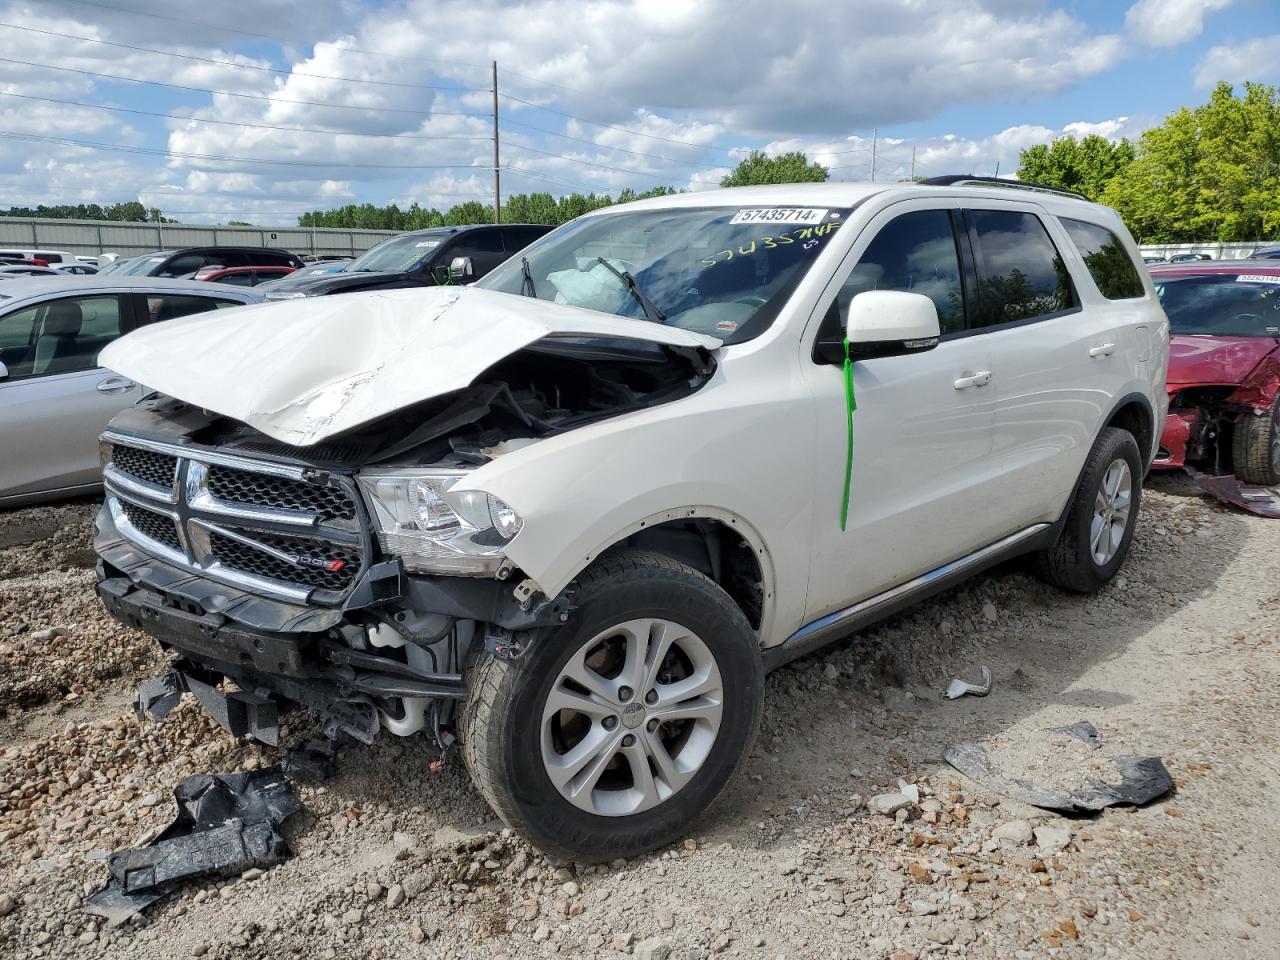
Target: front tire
[(1101, 518), (1255, 447), (611, 735)]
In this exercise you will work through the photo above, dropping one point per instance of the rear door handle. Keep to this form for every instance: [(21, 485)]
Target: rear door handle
[(115, 385), (979, 379), (1106, 350)]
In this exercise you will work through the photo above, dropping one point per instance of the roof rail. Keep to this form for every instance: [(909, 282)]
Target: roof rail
[(963, 179)]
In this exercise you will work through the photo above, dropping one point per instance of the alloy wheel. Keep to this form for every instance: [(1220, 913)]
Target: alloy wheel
[(631, 717), (1111, 512)]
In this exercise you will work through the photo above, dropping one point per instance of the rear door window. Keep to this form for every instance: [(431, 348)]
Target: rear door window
[(1021, 275), (244, 279), (1109, 263), (267, 259), (168, 306)]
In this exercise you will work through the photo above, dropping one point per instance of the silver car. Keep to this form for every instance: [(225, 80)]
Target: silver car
[(54, 398)]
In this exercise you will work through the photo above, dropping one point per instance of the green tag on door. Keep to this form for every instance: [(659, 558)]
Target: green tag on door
[(850, 404)]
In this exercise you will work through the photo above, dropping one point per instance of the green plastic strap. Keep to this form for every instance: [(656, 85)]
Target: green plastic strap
[(850, 404)]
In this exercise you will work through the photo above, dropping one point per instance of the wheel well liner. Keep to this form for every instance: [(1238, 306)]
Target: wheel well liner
[(1134, 413), (717, 544)]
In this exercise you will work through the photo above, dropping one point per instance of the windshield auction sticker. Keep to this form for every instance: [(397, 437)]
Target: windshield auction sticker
[(779, 215), (1257, 278)]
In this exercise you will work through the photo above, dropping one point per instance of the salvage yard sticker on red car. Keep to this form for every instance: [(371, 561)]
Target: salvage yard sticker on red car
[(779, 215), (1257, 278)]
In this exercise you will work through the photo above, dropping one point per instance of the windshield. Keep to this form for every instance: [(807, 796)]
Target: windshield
[(396, 255), (723, 271), (1229, 305)]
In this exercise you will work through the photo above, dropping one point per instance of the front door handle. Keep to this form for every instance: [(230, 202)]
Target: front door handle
[(115, 385), (979, 379), (1106, 350)]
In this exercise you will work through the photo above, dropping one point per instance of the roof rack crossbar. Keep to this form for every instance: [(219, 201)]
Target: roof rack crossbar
[(953, 180)]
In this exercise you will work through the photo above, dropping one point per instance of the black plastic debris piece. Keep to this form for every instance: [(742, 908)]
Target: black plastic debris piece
[(1142, 779), (1084, 731), (311, 761), (226, 824)]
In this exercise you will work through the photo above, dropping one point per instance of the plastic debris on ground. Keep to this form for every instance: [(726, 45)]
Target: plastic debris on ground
[(1261, 501), (1061, 770), (957, 688), (226, 824), (311, 761)]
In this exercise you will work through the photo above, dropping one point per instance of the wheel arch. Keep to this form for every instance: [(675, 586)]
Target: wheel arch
[(719, 543), (1133, 412)]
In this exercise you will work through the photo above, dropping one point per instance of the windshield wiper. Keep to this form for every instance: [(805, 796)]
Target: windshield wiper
[(650, 311), (526, 286)]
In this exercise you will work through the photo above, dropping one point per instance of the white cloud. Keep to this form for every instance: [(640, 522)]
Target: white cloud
[(1257, 59), (1167, 23)]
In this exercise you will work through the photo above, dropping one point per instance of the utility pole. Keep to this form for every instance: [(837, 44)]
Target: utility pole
[(997, 168), (497, 168), (913, 165), (873, 153)]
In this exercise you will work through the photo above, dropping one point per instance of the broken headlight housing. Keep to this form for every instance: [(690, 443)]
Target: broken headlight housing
[(434, 529)]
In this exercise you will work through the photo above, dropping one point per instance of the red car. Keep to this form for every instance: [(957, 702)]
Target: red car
[(241, 276), (1224, 368)]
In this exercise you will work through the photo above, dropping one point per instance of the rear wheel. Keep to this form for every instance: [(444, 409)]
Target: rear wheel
[(1101, 518), (609, 736), (1255, 447)]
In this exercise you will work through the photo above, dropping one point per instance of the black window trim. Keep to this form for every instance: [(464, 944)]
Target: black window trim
[(979, 267)]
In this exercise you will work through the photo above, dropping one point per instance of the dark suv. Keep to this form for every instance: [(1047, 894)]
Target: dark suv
[(420, 258), (185, 262)]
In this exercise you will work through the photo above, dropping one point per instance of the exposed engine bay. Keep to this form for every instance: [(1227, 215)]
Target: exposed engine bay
[(546, 389)]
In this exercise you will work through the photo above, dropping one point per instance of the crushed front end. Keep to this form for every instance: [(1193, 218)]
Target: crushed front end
[(256, 563)]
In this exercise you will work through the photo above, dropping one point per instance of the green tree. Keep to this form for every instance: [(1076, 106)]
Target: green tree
[(1208, 173), (758, 168), (1085, 166)]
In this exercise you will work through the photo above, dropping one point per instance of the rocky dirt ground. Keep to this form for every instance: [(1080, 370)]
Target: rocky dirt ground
[(1177, 658)]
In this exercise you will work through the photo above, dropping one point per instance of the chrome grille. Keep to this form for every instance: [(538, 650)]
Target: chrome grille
[(160, 527), (315, 553), (145, 465), (265, 527), (242, 486)]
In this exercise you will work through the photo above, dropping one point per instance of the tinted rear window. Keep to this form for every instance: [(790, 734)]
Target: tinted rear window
[(1109, 264), (1022, 274)]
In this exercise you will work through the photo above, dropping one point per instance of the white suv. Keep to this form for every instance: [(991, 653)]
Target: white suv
[(573, 513)]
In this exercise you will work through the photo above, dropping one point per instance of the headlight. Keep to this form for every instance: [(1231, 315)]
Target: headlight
[(435, 530)]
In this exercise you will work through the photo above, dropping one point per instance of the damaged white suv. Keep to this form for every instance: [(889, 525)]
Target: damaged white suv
[(573, 513)]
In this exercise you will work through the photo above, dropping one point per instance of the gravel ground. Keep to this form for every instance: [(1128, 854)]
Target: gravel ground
[(1177, 658)]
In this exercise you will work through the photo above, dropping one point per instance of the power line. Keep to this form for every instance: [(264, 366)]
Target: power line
[(238, 66), (287, 41), (234, 123), (602, 166), (610, 126), (245, 96), (124, 148)]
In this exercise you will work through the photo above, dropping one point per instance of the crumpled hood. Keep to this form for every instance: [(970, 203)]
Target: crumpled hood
[(303, 370), (1196, 359)]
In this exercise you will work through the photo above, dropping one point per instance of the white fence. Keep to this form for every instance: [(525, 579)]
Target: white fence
[(1218, 251), (93, 237)]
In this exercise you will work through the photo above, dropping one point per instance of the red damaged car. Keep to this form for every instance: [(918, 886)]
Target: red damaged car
[(1224, 369)]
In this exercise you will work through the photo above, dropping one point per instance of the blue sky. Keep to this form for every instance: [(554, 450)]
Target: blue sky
[(356, 102)]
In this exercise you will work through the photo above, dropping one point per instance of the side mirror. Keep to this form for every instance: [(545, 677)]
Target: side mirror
[(890, 323), (4, 371), (460, 268)]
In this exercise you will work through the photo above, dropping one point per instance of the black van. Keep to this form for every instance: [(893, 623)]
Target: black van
[(421, 258), (185, 262)]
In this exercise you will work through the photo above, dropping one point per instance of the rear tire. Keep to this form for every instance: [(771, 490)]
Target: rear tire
[(594, 774), (1100, 519), (1255, 447)]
